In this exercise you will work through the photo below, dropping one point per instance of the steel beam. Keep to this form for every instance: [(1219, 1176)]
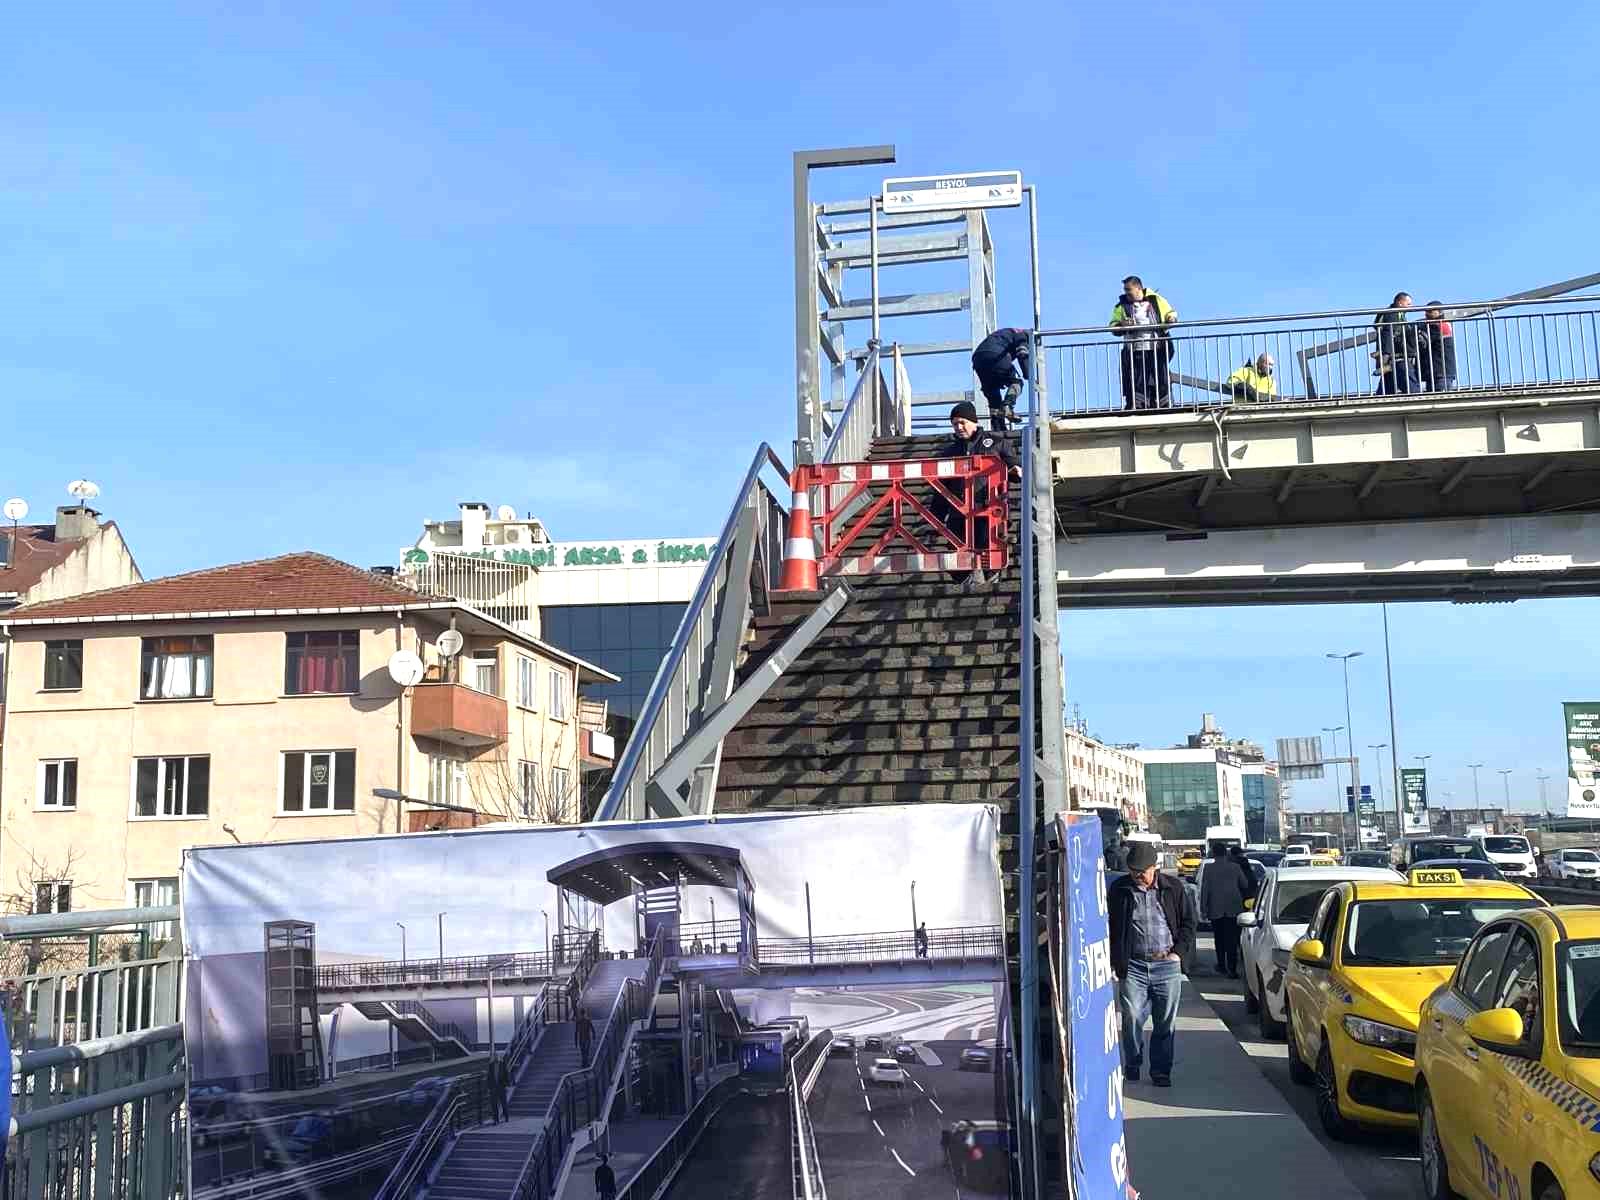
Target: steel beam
[(908, 305), (858, 253), (907, 350), (1370, 482), (897, 221), (1539, 476), (664, 793), (1455, 479)]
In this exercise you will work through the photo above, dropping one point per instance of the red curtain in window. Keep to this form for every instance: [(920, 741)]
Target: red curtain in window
[(323, 670)]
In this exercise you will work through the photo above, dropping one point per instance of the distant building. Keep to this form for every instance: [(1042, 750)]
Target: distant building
[(1211, 737), (1102, 776), (1263, 803), (1189, 790)]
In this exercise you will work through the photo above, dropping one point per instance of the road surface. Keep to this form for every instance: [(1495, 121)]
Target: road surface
[(742, 1155)]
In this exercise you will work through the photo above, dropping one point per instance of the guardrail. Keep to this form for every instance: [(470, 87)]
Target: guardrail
[(698, 671), (873, 410), (474, 968), (655, 1176), (805, 1169), (981, 942), (440, 1030), (1331, 358)]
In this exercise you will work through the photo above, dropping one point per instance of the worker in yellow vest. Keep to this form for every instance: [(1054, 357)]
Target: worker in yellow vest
[(1253, 383)]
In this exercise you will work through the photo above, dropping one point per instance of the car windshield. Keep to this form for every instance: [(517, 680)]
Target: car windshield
[(1425, 851), (1297, 900), (1580, 856), (1419, 933), (1506, 845), (1578, 964)]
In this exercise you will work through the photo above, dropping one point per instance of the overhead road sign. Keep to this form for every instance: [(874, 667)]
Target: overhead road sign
[(974, 189)]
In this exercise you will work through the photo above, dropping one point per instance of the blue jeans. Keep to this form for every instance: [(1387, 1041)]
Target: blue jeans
[(1149, 989)]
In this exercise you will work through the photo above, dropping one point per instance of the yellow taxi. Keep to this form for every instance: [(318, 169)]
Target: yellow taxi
[(1371, 955), (1189, 862), (1508, 1063)]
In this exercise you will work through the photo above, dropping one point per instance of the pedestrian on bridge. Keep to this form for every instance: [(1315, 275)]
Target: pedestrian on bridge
[(922, 940), (1151, 930), (499, 1081), (1139, 318), (1398, 349), (605, 1180), (585, 1032), (996, 362), (1223, 891), (1438, 350), (967, 440), (1253, 382)]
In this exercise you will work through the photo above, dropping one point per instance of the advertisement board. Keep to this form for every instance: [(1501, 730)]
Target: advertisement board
[(366, 1012), (1583, 758), (1094, 1117), (1414, 798)]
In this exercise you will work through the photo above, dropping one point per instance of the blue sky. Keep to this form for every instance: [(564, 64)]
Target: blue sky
[(290, 276)]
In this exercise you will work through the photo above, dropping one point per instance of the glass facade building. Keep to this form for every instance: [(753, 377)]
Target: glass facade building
[(1183, 798), (1262, 808)]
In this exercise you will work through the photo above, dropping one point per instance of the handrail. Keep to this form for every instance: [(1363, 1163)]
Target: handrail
[(857, 411), (442, 1030), (626, 776), (462, 968), (1457, 307), (657, 1171), (804, 1169), (402, 1178)]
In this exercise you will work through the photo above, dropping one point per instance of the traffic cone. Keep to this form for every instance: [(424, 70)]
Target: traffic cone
[(799, 550)]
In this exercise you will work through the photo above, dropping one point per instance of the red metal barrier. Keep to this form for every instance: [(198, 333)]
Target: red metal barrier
[(945, 514)]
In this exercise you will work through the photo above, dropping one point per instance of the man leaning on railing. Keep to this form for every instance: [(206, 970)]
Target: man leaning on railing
[(967, 440), (1253, 383), (1140, 318)]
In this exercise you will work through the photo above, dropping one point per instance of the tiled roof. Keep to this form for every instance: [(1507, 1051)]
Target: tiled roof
[(291, 581), (35, 552)]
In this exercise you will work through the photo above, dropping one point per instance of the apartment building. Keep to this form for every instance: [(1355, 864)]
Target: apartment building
[(255, 702), (1104, 776)]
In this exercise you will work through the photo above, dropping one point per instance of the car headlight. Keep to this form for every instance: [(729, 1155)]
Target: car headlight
[(1387, 1037)]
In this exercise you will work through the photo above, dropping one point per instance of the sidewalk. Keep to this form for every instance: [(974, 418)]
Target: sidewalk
[(1221, 1128)]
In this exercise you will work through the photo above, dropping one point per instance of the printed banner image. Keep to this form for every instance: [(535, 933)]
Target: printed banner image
[(534, 1012), (1583, 758)]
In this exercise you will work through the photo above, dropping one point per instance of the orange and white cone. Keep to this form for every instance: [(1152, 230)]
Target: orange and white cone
[(799, 550)]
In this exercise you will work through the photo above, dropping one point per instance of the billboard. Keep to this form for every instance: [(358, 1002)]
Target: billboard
[(1094, 1113), (366, 1014), (1583, 758), (1414, 799)]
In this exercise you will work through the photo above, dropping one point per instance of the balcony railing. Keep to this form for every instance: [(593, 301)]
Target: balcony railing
[(1331, 358), (453, 712), (506, 591)]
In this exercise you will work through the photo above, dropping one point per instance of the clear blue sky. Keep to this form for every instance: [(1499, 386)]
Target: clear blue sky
[(288, 276)]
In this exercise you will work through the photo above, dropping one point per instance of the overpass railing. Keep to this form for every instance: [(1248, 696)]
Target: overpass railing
[(466, 969), (1501, 347), (804, 1167), (980, 943)]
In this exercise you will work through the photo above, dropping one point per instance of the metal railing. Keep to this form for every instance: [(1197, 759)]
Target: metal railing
[(1339, 357), (460, 1107), (580, 1096), (439, 1030), (875, 409), (506, 591), (474, 968), (805, 1169), (101, 1118), (655, 1176), (979, 943), (698, 671), (80, 1003)]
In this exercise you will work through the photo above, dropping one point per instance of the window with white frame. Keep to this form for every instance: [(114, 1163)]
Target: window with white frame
[(319, 781), (58, 784), (558, 695), (52, 896), (528, 786), (484, 672), (447, 780), (560, 783), (527, 681), (175, 668), (172, 786), (156, 893)]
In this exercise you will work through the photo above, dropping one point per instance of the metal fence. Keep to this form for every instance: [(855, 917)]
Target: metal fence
[(805, 1168), (875, 409), (979, 943), (465, 969), (1469, 350)]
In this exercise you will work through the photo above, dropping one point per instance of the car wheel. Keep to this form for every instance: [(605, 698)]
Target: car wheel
[(1268, 1024), (1435, 1171), (1251, 1004), (1298, 1071), (1334, 1122)]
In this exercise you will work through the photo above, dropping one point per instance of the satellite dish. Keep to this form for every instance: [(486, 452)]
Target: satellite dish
[(84, 489), (405, 668), (16, 508), (506, 513), (450, 643)]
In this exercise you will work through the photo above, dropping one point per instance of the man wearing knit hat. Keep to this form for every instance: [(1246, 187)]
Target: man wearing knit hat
[(968, 439)]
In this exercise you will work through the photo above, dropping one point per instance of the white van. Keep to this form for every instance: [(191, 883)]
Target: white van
[(1510, 852)]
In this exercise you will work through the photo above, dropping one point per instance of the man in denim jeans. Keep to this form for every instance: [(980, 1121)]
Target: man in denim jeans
[(1152, 929)]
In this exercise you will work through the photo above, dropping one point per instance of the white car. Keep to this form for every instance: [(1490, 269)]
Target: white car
[(1295, 856), (1575, 863), (1288, 898), (887, 1072), (1511, 853)]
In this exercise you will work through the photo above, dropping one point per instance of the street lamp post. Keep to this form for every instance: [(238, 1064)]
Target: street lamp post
[(1383, 801), (913, 907), (1477, 801), (442, 916), (1505, 778), (1350, 725), (546, 915), (1394, 738), (1544, 807), (1338, 772), (402, 946)]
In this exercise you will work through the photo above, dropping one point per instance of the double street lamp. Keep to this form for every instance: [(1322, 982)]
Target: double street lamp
[(1350, 726)]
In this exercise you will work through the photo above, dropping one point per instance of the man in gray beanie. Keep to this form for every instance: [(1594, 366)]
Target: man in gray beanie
[(969, 439)]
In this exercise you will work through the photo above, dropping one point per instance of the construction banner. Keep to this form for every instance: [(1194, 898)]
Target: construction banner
[(1583, 758), (369, 1016)]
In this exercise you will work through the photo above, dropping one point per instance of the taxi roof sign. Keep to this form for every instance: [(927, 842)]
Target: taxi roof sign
[(1434, 877), (971, 189)]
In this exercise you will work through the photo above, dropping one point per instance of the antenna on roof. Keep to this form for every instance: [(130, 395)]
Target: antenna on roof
[(15, 508), (84, 490), (506, 513)]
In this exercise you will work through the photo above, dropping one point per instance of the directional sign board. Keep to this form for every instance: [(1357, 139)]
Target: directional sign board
[(976, 189)]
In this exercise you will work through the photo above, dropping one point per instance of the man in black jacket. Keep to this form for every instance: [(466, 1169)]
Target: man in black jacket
[(992, 363), (967, 440), (1152, 929)]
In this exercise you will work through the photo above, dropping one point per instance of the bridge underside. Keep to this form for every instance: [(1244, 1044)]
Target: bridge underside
[(842, 975), (1477, 500)]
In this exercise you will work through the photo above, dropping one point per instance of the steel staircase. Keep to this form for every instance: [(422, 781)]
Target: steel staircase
[(414, 1019)]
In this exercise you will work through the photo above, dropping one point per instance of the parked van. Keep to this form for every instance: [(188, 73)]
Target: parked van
[(1511, 853)]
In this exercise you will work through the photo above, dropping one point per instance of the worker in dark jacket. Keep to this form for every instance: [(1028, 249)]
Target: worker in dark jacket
[(967, 440), (996, 362), (1139, 318), (1152, 929), (1398, 350), (1438, 349)]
